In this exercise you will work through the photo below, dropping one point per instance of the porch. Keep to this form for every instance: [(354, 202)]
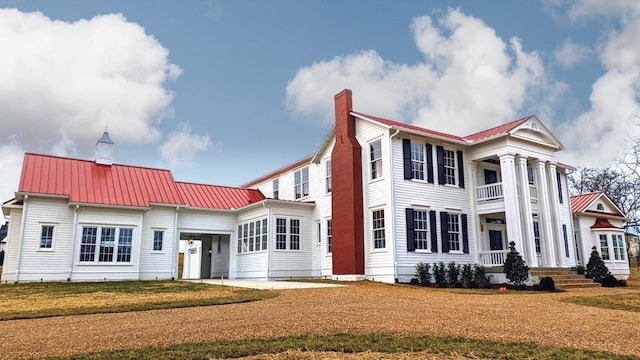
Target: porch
[(495, 192), (492, 258)]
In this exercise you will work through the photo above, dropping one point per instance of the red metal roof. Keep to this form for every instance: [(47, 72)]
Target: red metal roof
[(498, 130), (602, 223), (580, 203), (407, 126), (218, 197), (85, 181)]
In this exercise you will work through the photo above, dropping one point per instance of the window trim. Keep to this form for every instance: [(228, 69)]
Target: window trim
[(52, 240), (374, 229), (417, 145), (288, 234), (454, 169), (329, 236), (254, 236), (275, 188), (117, 245), (328, 178), (153, 240), (458, 217), (372, 160), (299, 175), (427, 230)]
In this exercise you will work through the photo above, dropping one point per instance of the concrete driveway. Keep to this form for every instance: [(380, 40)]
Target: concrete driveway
[(265, 284)]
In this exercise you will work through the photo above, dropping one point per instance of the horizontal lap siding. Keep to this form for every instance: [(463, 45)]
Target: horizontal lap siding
[(378, 262), (292, 263), (157, 264), (434, 197), (48, 265), (201, 220), (11, 248), (566, 219), (248, 265)]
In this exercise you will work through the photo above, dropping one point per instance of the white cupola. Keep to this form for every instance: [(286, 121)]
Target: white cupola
[(104, 148)]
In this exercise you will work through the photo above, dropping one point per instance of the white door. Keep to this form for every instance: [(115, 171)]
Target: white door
[(192, 260)]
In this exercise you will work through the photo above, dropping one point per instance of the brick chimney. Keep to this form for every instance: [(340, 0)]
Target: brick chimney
[(346, 199)]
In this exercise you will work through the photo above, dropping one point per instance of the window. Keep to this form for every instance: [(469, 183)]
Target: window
[(600, 207), (449, 167), (46, 237), (112, 241), (252, 236), (287, 234), (319, 232), (421, 229), (158, 236), (327, 173), (276, 188), (301, 178), (375, 156), (378, 229), (604, 247), (618, 247), (453, 228), (329, 236), (559, 180), (536, 236), (530, 175), (417, 161)]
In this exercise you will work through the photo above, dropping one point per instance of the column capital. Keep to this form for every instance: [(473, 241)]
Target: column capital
[(552, 165), (506, 155)]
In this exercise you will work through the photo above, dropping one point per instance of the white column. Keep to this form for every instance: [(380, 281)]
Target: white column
[(511, 203), (527, 219), (554, 202), (473, 168), (546, 224)]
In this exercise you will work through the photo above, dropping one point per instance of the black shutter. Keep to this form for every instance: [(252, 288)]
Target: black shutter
[(406, 157), (429, 155), (444, 231), (559, 188), (460, 169), (411, 244), (434, 231), (465, 234), (566, 240), (440, 159)]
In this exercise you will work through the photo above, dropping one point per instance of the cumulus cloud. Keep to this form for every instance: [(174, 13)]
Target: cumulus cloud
[(470, 78), (62, 82), (603, 133), (182, 145), (569, 54), (11, 155)]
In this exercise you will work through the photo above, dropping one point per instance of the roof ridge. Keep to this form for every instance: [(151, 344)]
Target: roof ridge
[(218, 186), (93, 162)]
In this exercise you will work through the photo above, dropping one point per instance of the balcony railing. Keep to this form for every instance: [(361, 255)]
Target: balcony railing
[(493, 257), (489, 192)]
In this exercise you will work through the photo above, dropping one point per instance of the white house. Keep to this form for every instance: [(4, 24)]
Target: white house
[(377, 197)]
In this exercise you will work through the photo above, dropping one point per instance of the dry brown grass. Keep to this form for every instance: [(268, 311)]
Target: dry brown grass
[(330, 355)]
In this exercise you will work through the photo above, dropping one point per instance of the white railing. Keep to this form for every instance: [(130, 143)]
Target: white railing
[(489, 192), (533, 193), (493, 257)]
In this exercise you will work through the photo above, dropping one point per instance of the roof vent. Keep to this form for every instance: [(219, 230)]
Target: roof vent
[(104, 148)]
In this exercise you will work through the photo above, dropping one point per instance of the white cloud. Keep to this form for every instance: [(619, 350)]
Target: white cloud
[(470, 79), (182, 146), (62, 82), (569, 54), (603, 133), (11, 156)]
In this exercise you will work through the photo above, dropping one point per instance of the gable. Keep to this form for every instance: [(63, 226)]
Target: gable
[(596, 203), (534, 131)]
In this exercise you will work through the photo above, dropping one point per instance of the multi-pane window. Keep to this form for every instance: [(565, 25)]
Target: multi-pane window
[(530, 175), (453, 227), (46, 237), (327, 175), (281, 234), (417, 161), (252, 236), (449, 167), (375, 158), (604, 247), (421, 229), (301, 179), (158, 236), (536, 236), (106, 241), (276, 188), (287, 234), (329, 236), (378, 229), (618, 247)]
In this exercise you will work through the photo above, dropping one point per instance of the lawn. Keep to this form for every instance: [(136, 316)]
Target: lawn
[(35, 300), (627, 302)]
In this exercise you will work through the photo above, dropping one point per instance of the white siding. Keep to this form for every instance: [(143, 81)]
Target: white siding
[(292, 263), (253, 264), (206, 221), (158, 264), (11, 249)]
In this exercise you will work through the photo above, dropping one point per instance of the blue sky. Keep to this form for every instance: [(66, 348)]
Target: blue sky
[(222, 92)]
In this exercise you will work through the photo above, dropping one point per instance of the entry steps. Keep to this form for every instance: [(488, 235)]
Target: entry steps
[(564, 278)]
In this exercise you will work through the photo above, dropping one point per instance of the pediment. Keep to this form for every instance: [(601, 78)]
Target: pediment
[(534, 130)]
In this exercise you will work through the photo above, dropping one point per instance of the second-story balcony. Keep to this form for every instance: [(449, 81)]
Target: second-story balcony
[(494, 192)]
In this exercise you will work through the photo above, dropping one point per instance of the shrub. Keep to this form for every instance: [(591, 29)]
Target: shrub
[(466, 275), (596, 269), (453, 273), (622, 283), (422, 272), (547, 284), (514, 266), (440, 274), (580, 270), (609, 281), (480, 276)]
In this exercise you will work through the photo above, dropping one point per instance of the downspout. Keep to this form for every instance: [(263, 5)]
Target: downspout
[(74, 241), (393, 217), (176, 245), (21, 238), (268, 240)]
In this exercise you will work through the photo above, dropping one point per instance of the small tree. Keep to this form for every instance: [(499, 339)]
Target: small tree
[(596, 269), (515, 268), (466, 275), (440, 274), (422, 272), (453, 273)]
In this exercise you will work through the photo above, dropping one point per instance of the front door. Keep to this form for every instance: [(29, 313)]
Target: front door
[(496, 240), (192, 260)]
